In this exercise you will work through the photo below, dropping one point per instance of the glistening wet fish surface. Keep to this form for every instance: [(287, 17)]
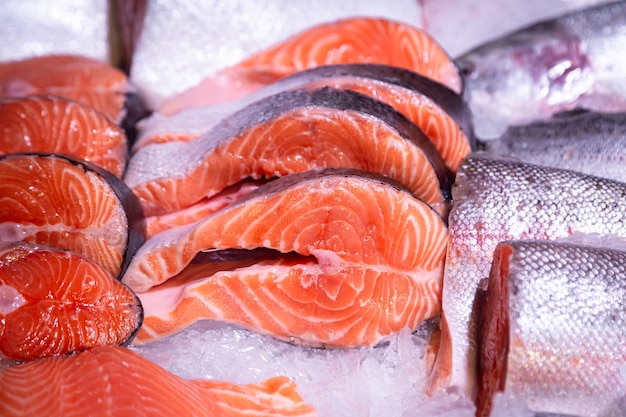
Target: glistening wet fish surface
[(589, 142), (356, 258), (496, 199), (552, 66), (553, 326)]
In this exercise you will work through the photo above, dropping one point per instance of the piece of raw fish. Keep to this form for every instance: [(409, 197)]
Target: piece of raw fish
[(53, 124), (553, 66), (356, 40), (89, 81), (57, 302), (589, 142), (447, 20), (495, 199), (202, 38), (115, 381), (289, 132), (337, 257), (40, 27), (68, 203), (552, 328), (438, 111)]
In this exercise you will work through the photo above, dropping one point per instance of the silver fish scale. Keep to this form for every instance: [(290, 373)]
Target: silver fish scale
[(497, 199), (568, 328)]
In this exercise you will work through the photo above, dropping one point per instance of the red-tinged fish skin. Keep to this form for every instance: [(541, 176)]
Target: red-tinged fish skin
[(56, 302), (57, 201), (347, 41), (559, 64), (552, 329), (116, 381), (79, 78), (51, 124), (498, 199), (291, 132), (351, 278)]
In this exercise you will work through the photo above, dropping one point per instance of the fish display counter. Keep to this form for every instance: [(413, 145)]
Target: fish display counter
[(319, 208)]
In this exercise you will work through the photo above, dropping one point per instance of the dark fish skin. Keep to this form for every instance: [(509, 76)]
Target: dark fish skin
[(553, 66), (552, 328), (589, 142), (496, 199), (449, 101)]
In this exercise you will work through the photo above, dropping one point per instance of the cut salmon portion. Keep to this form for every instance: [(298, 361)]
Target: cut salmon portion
[(289, 132), (115, 381), (52, 124), (56, 302), (438, 111), (346, 41), (57, 201), (87, 80), (356, 258)]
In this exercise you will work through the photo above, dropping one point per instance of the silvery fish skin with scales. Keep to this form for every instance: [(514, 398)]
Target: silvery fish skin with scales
[(495, 199), (573, 61), (590, 142), (553, 328)]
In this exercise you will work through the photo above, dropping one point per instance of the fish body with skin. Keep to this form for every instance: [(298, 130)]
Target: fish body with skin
[(552, 328), (556, 65), (496, 199), (590, 142)]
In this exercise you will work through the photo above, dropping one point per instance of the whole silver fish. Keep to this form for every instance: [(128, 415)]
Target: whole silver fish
[(553, 328), (560, 64), (497, 199), (589, 142)]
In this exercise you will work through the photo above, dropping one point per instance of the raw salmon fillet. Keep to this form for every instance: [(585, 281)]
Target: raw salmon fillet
[(356, 257), (55, 302), (346, 41), (87, 80), (289, 132), (115, 381), (57, 201), (442, 114), (53, 124)]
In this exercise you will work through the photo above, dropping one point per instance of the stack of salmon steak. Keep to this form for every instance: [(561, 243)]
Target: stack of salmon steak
[(302, 194), (326, 192)]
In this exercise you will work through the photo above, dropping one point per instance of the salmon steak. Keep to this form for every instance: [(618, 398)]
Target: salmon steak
[(290, 132), (438, 111), (57, 201), (87, 80), (55, 302), (115, 381), (51, 124), (359, 40), (334, 257)]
